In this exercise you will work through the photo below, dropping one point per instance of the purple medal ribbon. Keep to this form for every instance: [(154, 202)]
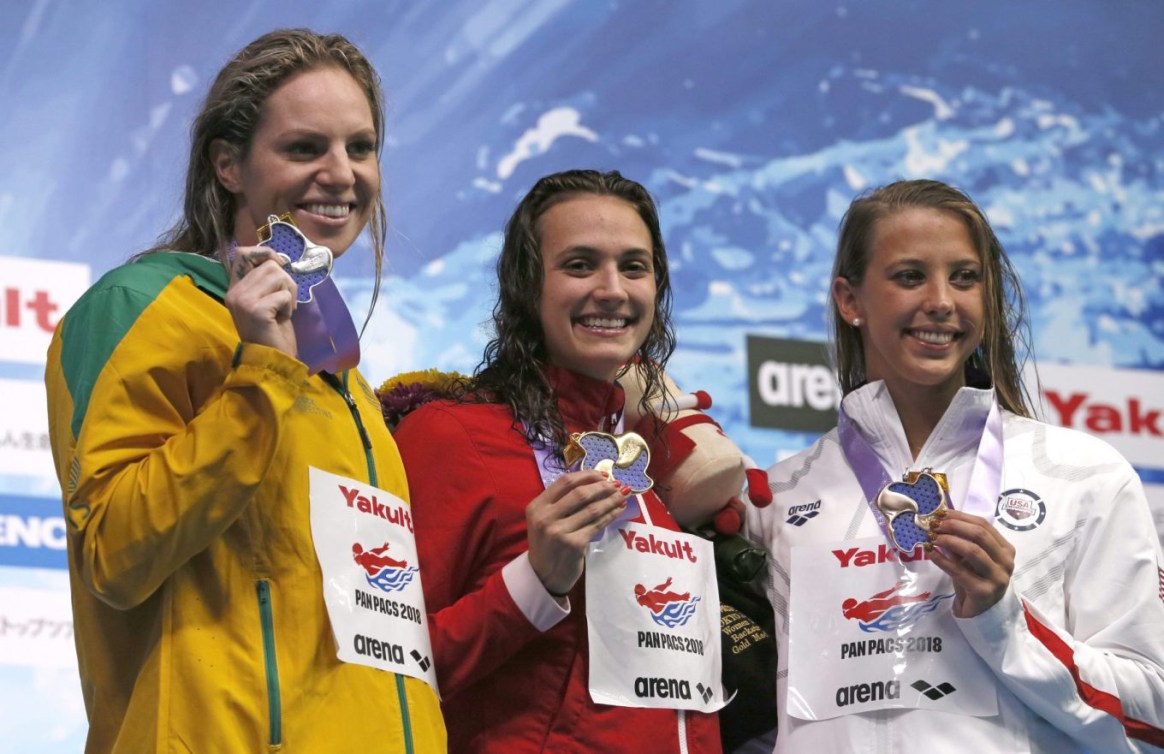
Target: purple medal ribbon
[(325, 336), (324, 332), (985, 479)]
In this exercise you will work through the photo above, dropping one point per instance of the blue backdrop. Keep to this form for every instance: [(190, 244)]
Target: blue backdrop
[(753, 123)]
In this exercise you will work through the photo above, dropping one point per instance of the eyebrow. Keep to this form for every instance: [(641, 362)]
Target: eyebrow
[(592, 251)]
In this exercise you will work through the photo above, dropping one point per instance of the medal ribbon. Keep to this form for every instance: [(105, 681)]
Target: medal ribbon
[(324, 332), (985, 479), (325, 336)]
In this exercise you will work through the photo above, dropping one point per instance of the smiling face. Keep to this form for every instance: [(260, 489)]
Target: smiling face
[(598, 290), (314, 153), (921, 302)]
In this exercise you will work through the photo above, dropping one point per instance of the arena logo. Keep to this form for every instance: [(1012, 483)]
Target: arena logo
[(791, 385), (799, 515), (864, 693)]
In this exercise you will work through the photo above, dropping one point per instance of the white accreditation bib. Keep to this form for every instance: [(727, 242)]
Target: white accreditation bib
[(371, 580), (872, 629), (652, 616)]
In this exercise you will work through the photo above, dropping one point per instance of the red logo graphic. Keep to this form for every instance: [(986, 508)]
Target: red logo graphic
[(374, 561), (667, 608), (383, 572), (16, 302), (874, 607), (1133, 417), (889, 611)]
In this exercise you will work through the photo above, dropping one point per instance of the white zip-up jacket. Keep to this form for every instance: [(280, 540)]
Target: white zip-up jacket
[(1076, 644)]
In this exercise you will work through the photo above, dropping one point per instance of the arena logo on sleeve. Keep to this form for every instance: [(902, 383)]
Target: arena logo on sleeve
[(32, 533), (791, 385)]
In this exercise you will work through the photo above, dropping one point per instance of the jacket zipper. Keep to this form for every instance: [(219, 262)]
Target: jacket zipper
[(274, 703), (342, 389)]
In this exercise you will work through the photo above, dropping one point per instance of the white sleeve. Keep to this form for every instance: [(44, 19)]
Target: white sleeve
[(1100, 678)]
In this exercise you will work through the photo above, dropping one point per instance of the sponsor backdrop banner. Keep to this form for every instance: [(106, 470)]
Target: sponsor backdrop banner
[(793, 387), (753, 125)]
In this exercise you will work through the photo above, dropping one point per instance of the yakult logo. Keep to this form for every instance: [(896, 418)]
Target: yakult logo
[(394, 514), (1120, 406), (23, 307), (34, 295), (1081, 411)]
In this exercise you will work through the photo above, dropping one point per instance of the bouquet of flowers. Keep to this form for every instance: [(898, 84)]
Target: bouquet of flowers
[(408, 391)]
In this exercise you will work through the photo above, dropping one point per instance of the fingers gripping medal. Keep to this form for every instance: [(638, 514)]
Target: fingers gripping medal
[(912, 505), (622, 457), (324, 331)]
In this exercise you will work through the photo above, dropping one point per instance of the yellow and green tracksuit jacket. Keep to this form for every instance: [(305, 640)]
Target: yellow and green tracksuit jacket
[(197, 599)]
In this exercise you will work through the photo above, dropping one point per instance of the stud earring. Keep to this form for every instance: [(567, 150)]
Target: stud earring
[(856, 321)]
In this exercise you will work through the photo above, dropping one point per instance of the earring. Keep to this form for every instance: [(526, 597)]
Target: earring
[(856, 321)]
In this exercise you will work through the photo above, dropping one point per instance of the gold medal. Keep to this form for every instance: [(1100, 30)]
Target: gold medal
[(623, 457), (911, 506)]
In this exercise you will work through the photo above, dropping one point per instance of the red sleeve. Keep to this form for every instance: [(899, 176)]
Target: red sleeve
[(476, 626)]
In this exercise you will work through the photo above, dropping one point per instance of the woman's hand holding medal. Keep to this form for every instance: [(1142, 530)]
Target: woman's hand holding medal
[(978, 559), (563, 520), (262, 298)]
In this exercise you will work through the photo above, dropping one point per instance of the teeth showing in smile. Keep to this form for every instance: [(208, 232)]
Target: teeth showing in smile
[(937, 338), (605, 322), (329, 210)]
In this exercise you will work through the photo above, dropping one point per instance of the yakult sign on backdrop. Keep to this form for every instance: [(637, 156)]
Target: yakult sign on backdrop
[(1122, 406), (33, 296)]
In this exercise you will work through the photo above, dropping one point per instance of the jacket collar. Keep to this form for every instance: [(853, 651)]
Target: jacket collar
[(958, 431), (586, 404)]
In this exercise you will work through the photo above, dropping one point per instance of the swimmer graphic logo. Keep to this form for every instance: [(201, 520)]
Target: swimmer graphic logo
[(666, 608), (382, 571), (889, 610)]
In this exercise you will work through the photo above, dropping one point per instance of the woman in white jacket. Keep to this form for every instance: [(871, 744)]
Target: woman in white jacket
[(948, 573)]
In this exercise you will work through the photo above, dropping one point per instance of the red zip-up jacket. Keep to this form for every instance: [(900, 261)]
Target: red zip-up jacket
[(512, 665)]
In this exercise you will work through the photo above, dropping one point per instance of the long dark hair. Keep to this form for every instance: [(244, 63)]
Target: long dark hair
[(232, 111), (512, 370), (1006, 312)]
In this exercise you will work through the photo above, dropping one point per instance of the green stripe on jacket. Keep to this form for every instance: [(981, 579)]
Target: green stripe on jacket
[(100, 319)]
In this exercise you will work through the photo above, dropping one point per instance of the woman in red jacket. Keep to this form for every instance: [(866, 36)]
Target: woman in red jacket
[(504, 533)]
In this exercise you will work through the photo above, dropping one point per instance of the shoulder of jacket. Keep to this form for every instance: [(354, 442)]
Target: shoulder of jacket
[(821, 448), (1066, 443)]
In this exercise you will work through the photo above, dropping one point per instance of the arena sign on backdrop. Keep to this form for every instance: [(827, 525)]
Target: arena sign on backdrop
[(791, 385)]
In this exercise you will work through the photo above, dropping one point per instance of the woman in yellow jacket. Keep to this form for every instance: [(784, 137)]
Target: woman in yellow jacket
[(184, 427)]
